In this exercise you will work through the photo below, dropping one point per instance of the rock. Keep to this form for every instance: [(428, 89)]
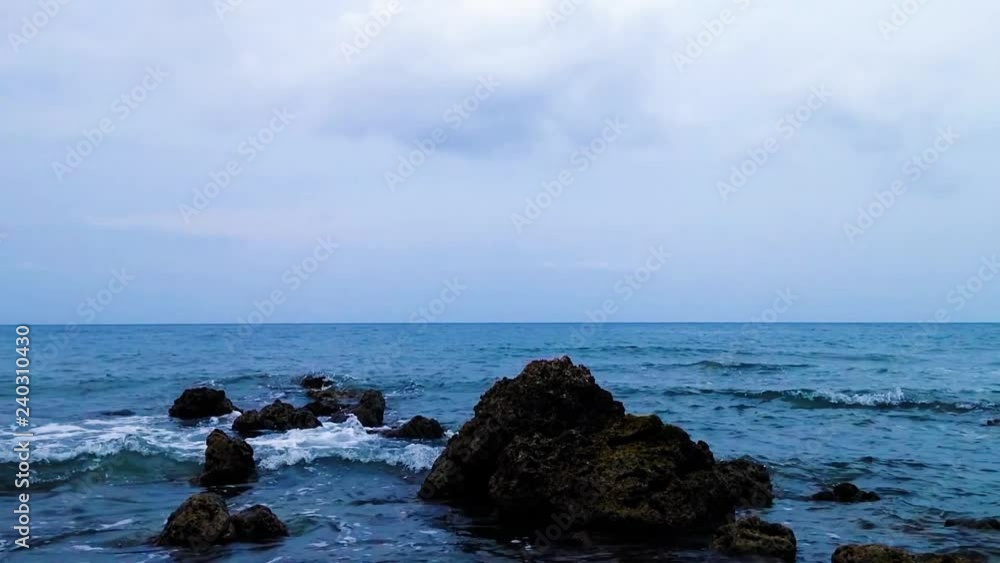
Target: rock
[(371, 408), (994, 422), (316, 382), (846, 492), (753, 536), (228, 461), (201, 521), (418, 428), (257, 524), (551, 441), (886, 554), (324, 407), (277, 416), (123, 412), (974, 523), (201, 402), (748, 482)]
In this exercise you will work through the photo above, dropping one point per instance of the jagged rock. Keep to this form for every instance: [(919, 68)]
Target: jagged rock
[(201, 402), (753, 536), (551, 441), (748, 482), (974, 523), (886, 554), (201, 521), (418, 428), (313, 381), (371, 408), (277, 416), (846, 492), (257, 524), (324, 407), (228, 461)]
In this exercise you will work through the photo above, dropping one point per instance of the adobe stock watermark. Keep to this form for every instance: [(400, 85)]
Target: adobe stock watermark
[(374, 25), (456, 116), (913, 169), (562, 12), (581, 159), (625, 288), (291, 280), (249, 149), (121, 107), (713, 29), (32, 25), (787, 127), (902, 13)]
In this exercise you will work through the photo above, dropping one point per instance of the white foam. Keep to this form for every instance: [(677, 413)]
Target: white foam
[(888, 398)]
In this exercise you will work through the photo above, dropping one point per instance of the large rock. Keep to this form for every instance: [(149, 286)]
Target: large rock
[(846, 492), (278, 416), (886, 554), (228, 461), (201, 402), (314, 381), (201, 521), (418, 428), (551, 441), (748, 482), (974, 523), (367, 405), (258, 524), (753, 536), (326, 406), (371, 408)]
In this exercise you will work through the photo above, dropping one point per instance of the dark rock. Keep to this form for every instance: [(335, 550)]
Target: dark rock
[(258, 524), (123, 412), (974, 523), (418, 428), (846, 492), (551, 441), (753, 536), (277, 416), (201, 521), (324, 407), (994, 422), (886, 554), (316, 382), (228, 461), (201, 402), (748, 482), (371, 408)]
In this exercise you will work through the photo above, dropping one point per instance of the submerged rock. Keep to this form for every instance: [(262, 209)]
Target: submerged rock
[(994, 422), (753, 536), (277, 416), (228, 461), (316, 382), (886, 554), (748, 482), (203, 520), (846, 492), (418, 428), (257, 524), (201, 402), (552, 441), (974, 523)]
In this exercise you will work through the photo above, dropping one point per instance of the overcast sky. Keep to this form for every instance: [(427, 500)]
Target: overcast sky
[(636, 114)]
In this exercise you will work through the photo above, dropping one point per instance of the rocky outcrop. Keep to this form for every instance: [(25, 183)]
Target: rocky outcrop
[(201, 402), (371, 408), (846, 492), (277, 416), (974, 523), (203, 520), (228, 461), (551, 441), (418, 428), (886, 554), (327, 406), (748, 482), (753, 536), (313, 381), (367, 405)]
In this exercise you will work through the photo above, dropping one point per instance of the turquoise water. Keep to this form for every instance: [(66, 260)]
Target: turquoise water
[(899, 409)]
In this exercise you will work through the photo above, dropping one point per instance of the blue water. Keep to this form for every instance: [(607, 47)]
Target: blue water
[(899, 409)]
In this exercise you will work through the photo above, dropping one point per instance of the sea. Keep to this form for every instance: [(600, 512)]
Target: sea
[(899, 409)]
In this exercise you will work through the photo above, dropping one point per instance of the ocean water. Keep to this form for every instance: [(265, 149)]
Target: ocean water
[(899, 409)]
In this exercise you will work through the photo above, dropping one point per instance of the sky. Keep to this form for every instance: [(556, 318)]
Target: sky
[(227, 161)]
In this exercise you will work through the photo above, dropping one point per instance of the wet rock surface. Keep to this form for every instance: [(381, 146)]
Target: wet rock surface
[(203, 520), (258, 524), (846, 492), (974, 523), (886, 554), (201, 402), (748, 482), (753, 536), (314, 381), (551, 441), (278, 417), (418, 428), (370, 409), (228, 461)]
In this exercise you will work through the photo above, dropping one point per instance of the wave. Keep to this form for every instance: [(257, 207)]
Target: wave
[(817, 399), (713, 364)]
